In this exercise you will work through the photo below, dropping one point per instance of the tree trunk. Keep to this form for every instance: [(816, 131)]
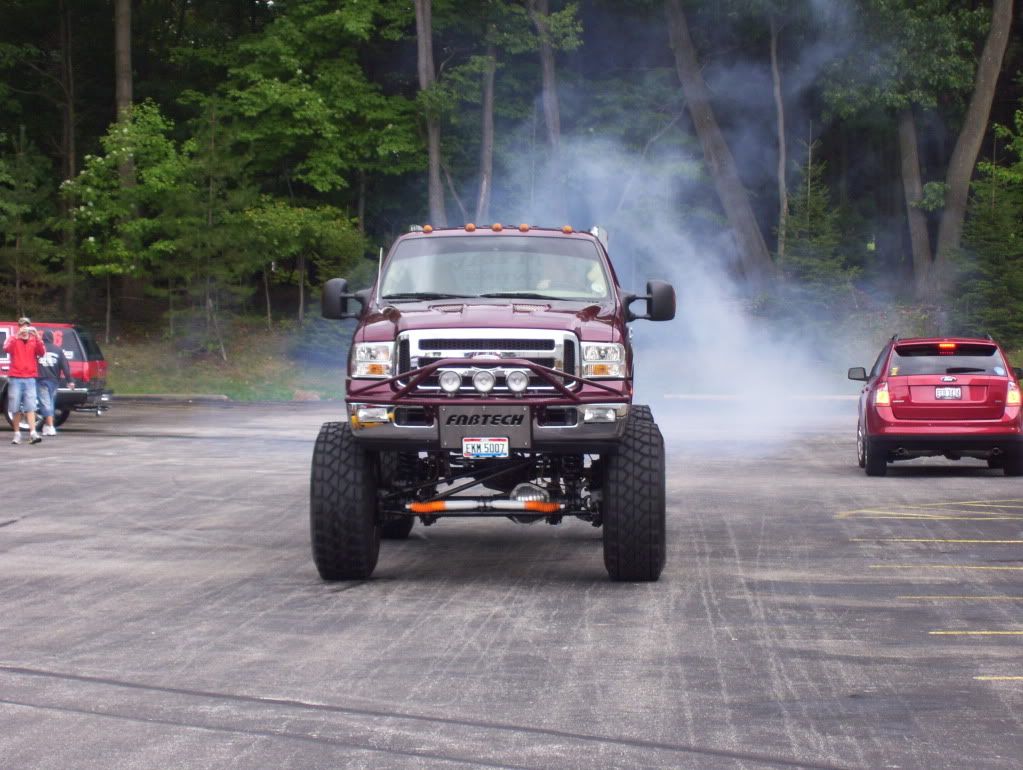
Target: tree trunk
[(361, 203), (69, 155), (919, 238), (427, 76), (487, 138), (779, 106), (967, 148), (122, 56), (266, 294), (301, 288), (539, 10), (754, 257)]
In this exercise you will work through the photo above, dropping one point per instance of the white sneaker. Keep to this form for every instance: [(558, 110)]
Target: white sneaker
[(49, 430), (17, 437), (34, 438)]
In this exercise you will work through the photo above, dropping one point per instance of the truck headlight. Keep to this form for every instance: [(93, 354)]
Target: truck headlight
[(372, 359), (603, 359)]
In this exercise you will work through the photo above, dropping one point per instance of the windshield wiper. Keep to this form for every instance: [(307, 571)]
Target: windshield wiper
[(964, 369), (425, 295), (519, 295)]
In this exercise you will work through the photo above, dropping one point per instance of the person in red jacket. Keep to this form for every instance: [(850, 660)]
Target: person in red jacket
[(24, 349)]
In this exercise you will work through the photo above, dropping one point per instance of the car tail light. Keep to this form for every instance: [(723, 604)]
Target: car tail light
[(1012, 398), (881, 396)]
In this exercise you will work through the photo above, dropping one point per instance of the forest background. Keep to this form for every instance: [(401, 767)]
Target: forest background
[(188, 172)]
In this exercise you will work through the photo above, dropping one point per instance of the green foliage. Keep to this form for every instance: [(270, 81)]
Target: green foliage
[(990, 299), (918, 52), (25, 215), (818, 272)]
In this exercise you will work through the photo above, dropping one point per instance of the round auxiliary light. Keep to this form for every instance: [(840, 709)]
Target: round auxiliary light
[(484, 381), (517, 381), (450, 381)]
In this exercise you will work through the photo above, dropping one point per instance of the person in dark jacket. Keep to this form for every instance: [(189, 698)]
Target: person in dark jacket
[(53, 367), (24, 350)]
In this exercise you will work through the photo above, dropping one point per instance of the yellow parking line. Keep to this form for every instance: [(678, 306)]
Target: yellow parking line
[(950, 597), (964, 502), (940, 566), (999, 678), (975, 633), (931, 540)]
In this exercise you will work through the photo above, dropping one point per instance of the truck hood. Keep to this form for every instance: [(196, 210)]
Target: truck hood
[(589, 321)]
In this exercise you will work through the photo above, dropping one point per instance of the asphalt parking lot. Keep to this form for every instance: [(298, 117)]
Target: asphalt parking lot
[(159, 608)]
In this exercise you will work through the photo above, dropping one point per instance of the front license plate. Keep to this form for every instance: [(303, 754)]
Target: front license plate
[(948, 393), (475, 448), (508, 422)]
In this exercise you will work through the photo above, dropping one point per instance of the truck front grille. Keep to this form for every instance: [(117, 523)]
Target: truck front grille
[(481, 348)]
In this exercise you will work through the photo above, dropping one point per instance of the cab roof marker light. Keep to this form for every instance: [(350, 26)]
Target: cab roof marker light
[(882, 397), (470, 228), (427, 229), (567, 230), (523, 228), (497, 227)]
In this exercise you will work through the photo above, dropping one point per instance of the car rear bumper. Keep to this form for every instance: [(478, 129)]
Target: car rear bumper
[(83, 399), (942, 444)]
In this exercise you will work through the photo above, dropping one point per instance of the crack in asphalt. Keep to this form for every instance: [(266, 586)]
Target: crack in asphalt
[(638, 743)]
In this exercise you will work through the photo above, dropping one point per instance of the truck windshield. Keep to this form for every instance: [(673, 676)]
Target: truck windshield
[(530, 267)]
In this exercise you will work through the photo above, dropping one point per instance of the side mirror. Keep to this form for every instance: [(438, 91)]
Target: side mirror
[(660, 302), (858, 373), (334, 299)]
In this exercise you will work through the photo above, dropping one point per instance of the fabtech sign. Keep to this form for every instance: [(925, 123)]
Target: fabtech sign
[(485, 419)]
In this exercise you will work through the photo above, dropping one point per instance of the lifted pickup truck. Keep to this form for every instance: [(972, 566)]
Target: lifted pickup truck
[(490, 374)]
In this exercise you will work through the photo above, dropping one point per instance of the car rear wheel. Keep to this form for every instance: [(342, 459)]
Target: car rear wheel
[(342, 506), (861, 455), (633, 506), (60, 417), (1012, 465), (875, 460)]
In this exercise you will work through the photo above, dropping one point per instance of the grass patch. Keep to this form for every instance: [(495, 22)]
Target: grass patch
[(258, 368)]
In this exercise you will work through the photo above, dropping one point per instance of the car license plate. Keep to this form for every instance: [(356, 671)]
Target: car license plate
[(476, 448), (948, 393)]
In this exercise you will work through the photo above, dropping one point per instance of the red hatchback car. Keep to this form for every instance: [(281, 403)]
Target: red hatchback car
[(951, 396)]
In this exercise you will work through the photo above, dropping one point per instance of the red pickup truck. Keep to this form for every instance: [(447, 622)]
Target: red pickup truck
[(491, 374), (88, 370)]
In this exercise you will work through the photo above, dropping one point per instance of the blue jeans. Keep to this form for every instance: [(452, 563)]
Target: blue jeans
[(47, 396), (21, 394)]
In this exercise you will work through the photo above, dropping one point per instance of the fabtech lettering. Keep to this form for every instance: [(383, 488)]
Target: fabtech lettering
[(485, 419)]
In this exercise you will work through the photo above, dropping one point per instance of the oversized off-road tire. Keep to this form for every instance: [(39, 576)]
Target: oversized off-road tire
[(875, 461), (641, 412), (1012, 465), (861, 446), (392, 467), (633, 506), (342, 506)]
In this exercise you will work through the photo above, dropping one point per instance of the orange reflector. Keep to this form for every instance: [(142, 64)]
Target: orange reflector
[(600, 370), (567, 229), (427, 228), (470, 228), (377, 369), (523, 228), (433, 507), (541, 507), (497, 227)]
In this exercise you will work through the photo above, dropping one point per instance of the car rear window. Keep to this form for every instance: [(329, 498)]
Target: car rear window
[(946, 358), (92, 351)]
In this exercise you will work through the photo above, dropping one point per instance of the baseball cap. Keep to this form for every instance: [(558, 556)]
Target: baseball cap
[(24, 321)]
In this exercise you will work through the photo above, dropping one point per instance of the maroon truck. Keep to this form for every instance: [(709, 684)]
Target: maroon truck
[(490, 374)]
